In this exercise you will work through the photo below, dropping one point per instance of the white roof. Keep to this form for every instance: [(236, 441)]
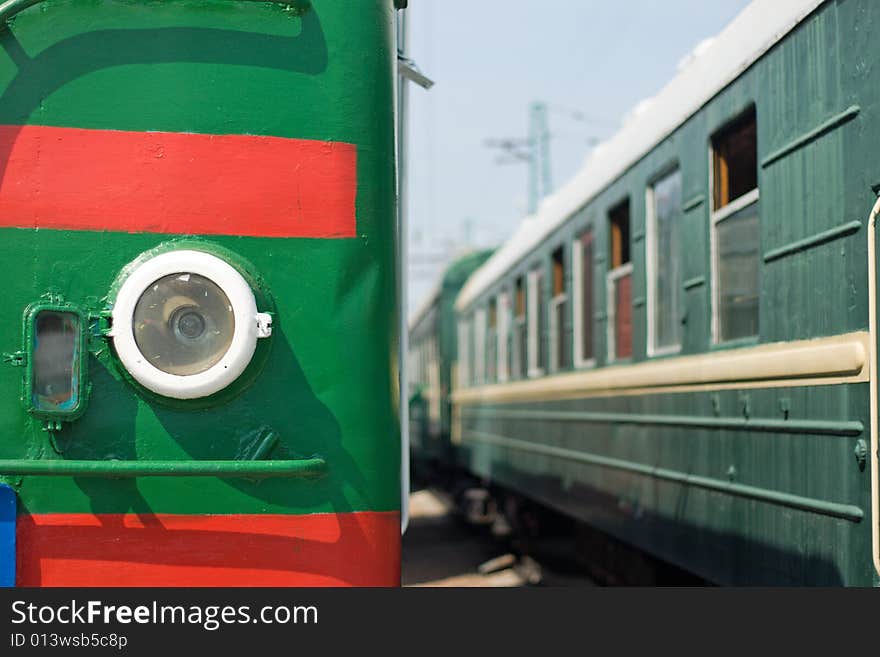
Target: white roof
[(713, 65)]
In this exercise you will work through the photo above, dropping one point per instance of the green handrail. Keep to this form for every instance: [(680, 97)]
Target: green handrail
[(10, 8), (311, 467)]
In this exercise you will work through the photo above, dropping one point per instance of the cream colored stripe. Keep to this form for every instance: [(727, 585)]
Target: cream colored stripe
[(822, 361)]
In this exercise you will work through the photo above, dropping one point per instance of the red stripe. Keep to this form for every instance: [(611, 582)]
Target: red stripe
[(164, 182), (80, 549)]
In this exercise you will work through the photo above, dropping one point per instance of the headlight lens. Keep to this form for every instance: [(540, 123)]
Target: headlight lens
[(183, 324)]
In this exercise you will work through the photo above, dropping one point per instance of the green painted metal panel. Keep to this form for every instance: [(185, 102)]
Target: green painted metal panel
[(219, 67), (737, 502)]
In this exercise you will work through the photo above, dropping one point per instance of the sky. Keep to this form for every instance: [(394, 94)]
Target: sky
[(588, 61)]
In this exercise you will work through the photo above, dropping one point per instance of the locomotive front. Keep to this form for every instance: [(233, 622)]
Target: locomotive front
[(198, 324)]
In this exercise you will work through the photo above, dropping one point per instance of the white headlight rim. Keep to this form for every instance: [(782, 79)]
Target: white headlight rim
[(248, 324)]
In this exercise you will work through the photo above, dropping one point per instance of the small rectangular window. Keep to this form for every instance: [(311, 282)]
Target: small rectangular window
[(582, 261), (519, 354), (558, 308), (736, 231), (619, 284), (57, 356), (536, 349), (664, 264)]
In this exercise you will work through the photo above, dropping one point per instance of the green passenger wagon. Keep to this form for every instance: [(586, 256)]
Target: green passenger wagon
[(432, 348), (680, 347)]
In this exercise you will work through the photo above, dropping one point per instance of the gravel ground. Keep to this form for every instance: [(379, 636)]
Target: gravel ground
[(441, 550)]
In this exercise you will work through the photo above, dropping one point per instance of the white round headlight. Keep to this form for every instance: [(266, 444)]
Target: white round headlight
[(185, 324)]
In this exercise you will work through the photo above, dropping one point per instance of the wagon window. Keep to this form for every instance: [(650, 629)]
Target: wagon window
[(736, 231), (464, 375), (582, 277), (519, 352), (619, 284), (422, 362), (618, 219), (664, 264), (503, 341), (417, 357), (492, 341), (432, 378), (735, 161), (738, 275), (479, 374), (464, 353), (536, 349), (558, 309)]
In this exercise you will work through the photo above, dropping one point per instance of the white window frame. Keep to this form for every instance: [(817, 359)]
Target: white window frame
[(502, 327), (577, 291), (535, 278), (651, 269), (480, 346), (610, 279), (715, 218)]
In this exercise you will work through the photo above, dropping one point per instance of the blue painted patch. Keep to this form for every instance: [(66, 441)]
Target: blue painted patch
[(7, 536)]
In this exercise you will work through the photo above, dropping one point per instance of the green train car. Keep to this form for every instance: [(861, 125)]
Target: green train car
[(197, 208), (432, 343), (680, 347)]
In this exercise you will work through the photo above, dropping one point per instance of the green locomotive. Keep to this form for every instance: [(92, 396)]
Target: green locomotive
[(432, 346), (680, 347), (197, 208)]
